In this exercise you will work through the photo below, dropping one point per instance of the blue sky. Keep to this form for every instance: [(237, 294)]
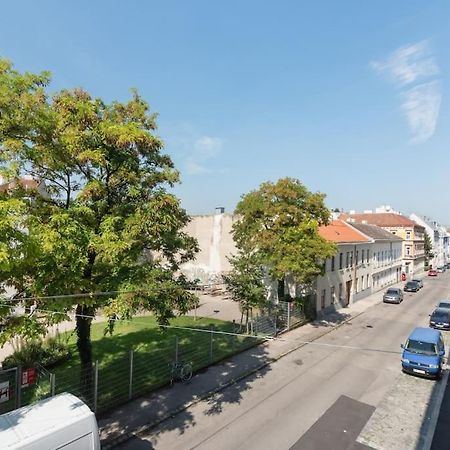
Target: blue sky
[(351, 97)]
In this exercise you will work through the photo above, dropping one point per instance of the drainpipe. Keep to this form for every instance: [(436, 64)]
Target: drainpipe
[(354, 274)]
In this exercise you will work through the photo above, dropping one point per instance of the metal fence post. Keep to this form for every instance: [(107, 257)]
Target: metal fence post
[(52, 384), (211, 346), (18, 386), (95, 385), (130, 388), (176, 349), (288, 315)]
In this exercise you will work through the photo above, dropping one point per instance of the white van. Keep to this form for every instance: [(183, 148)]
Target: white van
[(60, 422)]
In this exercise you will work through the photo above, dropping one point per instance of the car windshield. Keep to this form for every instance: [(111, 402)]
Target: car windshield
[(444, 305), (439, 315), (420, 347), (410, 283), (392, 291)]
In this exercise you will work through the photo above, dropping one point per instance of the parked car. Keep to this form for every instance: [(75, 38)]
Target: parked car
[(393, 295), (440, 318), (411, 286), (444, 304), (441, 269), (432, 273), (447, 265), (419, 282), (423, 353)]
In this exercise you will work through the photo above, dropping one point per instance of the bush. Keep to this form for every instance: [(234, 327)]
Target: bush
[(48, 353)]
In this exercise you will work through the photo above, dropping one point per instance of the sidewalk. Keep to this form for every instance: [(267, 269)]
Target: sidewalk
[(139, 415)]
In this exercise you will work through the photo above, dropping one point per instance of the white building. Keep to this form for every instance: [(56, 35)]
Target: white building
[(368, 259), (439, 238)]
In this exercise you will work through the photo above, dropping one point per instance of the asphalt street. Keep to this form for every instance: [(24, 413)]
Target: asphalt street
[(317, 397)]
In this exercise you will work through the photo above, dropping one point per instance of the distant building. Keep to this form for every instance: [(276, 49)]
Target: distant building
[(368, 258), (413, 253)]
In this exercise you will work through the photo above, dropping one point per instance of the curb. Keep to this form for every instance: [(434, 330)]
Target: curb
[(428, 438), (138, 431)]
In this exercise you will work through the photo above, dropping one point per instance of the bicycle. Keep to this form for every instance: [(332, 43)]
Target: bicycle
[(180, 371)]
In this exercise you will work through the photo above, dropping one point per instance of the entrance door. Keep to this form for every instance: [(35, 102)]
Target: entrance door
[(348, 289)]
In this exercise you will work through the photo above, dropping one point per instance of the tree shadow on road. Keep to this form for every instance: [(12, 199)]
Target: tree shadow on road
[(331, 318), (167, 409)]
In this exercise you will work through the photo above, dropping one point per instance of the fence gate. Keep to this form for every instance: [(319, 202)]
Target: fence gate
[(8, 390)]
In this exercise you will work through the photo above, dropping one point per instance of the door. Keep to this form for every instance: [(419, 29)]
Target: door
[(348, 288)]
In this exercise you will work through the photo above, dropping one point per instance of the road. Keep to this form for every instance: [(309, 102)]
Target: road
[(317, 397)]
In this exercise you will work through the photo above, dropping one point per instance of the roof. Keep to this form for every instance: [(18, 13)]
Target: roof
[(382, 219), (424, 334), (25, 183), (375, 232), (340, 231), (32, 422)]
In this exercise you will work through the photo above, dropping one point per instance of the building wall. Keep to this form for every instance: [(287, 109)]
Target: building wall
[(353, 282), (213, 233)]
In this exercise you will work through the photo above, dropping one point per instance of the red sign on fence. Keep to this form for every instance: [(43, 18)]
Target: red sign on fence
[(28, 377)]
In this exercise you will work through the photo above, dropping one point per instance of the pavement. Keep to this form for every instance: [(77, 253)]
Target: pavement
[(141, 415)]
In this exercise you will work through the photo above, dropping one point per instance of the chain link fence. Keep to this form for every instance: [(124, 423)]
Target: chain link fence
[(115, 380)]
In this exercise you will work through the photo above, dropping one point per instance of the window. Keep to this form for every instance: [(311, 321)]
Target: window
[(351, 259), (362, 256), (322, 299), (408, 250), (362, 283), (367, 282), (356, 284), (408, 235), (340, 292), (356, 257), (332, 295), (347, 259), (332, 263), (368, 251), (340, 260)]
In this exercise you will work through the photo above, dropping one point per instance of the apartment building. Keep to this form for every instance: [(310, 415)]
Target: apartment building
[(413, 252)]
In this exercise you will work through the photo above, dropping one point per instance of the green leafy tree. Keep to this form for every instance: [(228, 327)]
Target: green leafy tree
[(245, 283), (106, 221), (428, 247), (278, 225)]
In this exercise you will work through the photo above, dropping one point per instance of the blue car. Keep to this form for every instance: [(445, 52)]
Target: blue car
[(423, 353)]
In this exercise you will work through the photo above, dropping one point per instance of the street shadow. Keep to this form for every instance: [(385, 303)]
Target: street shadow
[(168, 408), (331, 317), (439, 438)]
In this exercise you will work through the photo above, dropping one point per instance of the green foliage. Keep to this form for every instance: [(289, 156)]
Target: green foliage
[(428, 246), (278, 225), (48, 353), (245, 282), (105, 221)]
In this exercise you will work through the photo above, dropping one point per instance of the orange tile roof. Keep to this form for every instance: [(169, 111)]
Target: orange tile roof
[(382, 219), (339, 231)]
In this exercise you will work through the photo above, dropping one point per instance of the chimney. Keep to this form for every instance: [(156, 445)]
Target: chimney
[(220, 210)]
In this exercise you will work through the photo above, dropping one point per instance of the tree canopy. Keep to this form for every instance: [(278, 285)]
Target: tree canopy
[(278, 224), (103, 219)]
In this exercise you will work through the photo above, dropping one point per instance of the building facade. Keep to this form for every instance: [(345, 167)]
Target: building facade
[(413, 250)]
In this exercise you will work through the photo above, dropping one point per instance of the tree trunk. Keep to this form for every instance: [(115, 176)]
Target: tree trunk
[(84, 345)]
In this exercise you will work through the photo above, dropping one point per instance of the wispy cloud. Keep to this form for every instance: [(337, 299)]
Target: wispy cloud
[(204, 149), (421, 104)]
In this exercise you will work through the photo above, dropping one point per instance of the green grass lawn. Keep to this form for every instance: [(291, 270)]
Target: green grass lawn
[(154, 350)]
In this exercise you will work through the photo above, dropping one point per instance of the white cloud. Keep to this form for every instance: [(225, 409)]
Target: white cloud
[(193, 168), (421, 105), (207, 147), (409, 63)]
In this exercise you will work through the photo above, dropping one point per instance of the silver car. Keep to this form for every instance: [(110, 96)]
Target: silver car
[(393, 295)]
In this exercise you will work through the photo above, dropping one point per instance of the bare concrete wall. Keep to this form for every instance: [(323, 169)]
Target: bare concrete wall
[(213, 233)]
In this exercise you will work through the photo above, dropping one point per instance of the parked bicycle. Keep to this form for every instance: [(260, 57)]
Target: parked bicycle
[(180, 371)]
